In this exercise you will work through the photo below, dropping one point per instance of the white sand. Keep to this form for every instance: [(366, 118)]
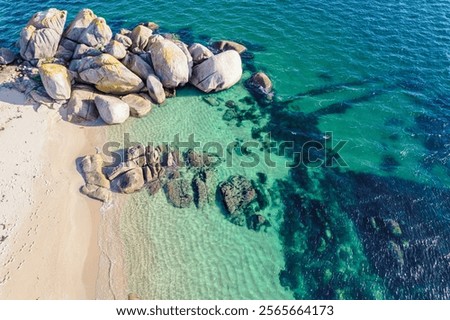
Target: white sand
[(50, 250)]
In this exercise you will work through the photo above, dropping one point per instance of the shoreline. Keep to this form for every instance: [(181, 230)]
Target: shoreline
[(51, 247)]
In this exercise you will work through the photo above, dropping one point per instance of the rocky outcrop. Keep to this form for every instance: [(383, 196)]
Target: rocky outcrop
[(96, 34), (96, 192), (81, 106), (139, 105), (56, 81), (138, 65), (218, 73), (237, 193), (112, 110), (79, 25), (140, 38), (109, 75), (40, 38), (179, 193), (169, 62), (6, 56), (114, 172), (124, 40), (155, 89), (91, 168), (199, 53), (260, 82), (224, 45), (82, 50), (116, 49), (131, 181)]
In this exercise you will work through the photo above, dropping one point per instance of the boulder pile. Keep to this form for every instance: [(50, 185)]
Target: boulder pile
[(88, 69)]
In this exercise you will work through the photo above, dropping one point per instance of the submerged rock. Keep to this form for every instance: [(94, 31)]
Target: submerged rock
[(393, 227), (237, 194), (257, 221), (218, 73), (224, 45), (111, 109), (56, 81), (153, 186), (139, 106), (200, 159), (109, 75), (179, 193), (41, 36)]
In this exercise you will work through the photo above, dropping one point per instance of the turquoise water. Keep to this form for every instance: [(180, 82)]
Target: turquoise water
[(375, 74)]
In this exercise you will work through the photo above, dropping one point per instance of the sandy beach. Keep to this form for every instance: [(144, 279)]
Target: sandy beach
[(48, 229)]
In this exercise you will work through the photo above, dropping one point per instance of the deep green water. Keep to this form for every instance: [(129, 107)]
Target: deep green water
[(375, 74)]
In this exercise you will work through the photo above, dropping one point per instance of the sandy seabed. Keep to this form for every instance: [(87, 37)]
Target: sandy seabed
[(48, 229)]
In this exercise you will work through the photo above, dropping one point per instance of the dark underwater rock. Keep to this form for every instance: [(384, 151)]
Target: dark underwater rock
[(237, 193), (179, 193)]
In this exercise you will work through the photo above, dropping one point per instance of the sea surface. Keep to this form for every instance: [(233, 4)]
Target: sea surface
[(368, 220)]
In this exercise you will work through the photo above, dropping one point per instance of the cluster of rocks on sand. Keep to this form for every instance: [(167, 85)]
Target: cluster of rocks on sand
[(93, 72), (89, 72)]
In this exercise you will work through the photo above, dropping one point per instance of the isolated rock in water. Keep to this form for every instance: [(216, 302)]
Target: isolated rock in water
[(111, 109), (123, 39), (56, 81), (260, 82), (225, 45), (199, 53), (116, 49), (138, 65), (82, 50), (140, 37), (139, 106), (237, 194), (40, 38), (155, 89), (96, 34), (6, 56), (96, 192), (113, 173), (179, 193), (393, 227), (131, 181), (218, 73), (81, 106), (79, 25), (200, 192), (109, 75), (91, 167), (200, 159), (170, 63)]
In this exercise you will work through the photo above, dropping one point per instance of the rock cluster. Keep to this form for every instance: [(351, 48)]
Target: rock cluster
[(139, 66)]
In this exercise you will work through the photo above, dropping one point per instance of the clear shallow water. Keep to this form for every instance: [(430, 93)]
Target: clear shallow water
[(375, 74)]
